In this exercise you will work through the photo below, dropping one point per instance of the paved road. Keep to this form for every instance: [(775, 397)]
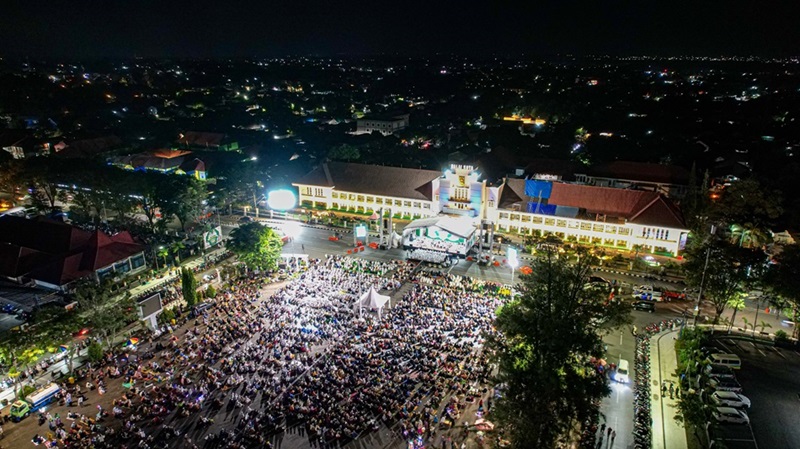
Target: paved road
[(314, 242)]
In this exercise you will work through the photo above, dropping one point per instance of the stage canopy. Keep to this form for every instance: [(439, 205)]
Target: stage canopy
[(448, 235), (372, 300), (463, 227)]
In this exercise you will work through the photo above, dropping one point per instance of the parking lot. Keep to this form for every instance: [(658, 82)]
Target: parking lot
[(769, 378)]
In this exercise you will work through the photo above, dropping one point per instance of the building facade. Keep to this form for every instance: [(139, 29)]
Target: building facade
[(385, 126), (338, 186), (603, 216)]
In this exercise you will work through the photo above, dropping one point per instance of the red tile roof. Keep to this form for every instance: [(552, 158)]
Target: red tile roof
[(600, 200), (635, 206), (56, 252)]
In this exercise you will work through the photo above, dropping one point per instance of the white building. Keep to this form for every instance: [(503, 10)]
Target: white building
[(385, 126), (340, 186), (602, 216)]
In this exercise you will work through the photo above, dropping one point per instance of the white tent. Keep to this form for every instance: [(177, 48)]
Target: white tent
[(372, 300)]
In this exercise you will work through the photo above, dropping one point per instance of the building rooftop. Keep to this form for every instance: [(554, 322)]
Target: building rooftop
[(56, 252), (636, 206), (396, 182), (641, 171)]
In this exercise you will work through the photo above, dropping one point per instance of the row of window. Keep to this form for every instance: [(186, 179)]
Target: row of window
[(655, 233), (379, 200)]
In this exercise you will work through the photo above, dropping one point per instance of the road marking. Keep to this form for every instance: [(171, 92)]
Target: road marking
[(778, 351), (752, 435), (758, 349), (725, 347)]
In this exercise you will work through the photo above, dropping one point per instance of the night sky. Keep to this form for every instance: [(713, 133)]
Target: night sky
[(233, 28)]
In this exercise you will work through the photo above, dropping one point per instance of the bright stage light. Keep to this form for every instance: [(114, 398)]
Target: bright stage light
[(281, 199)]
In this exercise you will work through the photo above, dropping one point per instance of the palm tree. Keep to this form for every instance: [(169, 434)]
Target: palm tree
[(176, 249), (748, 235), (163, 252)]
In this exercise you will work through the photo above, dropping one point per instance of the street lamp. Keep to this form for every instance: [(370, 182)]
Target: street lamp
[(513, 262), (281, 200)]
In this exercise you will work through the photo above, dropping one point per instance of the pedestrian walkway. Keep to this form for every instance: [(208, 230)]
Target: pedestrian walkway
[(667, 433)]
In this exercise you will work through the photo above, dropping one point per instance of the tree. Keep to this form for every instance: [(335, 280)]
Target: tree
[(121, 200), (783, 279), (211, 292), (344, 152), (95, 351), (746, 201), (149, 199), (15, 351), (106, 315), (175, 248), (548, 336), (736, 303), (189, 287), (692, 413), (749, 235), (257, 246), (727, 273), (43, 179), (183, 198)]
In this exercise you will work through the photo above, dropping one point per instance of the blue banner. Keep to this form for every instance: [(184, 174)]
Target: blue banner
[(538, 189)]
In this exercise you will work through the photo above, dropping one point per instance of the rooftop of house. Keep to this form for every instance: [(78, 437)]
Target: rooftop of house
[(56, 252)]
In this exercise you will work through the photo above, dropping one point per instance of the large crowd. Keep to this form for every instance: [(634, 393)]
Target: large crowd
[(299, 358)]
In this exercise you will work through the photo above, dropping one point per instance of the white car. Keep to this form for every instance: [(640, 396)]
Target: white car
[(622, 372), (730, 399), (730, 415)]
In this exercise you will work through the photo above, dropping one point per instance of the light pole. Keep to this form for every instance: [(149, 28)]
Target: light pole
[(513, 262), (703, 277)]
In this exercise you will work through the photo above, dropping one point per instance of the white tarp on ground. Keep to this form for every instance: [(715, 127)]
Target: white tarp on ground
[(371, 300)]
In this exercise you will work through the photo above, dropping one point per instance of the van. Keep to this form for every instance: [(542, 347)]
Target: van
[(730, 360), (622, 372)]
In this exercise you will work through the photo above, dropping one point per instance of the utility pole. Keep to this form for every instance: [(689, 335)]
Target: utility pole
[(703, 277)]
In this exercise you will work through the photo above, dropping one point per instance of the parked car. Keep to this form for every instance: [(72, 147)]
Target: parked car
[(9, 308), (720, 371), (644, 306), (622, 372), (598, 279), (730, 415), (730, 399), (670, 295), (723, 384)]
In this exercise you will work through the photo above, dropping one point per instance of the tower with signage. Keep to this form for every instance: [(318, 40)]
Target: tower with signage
[(460, 192)]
